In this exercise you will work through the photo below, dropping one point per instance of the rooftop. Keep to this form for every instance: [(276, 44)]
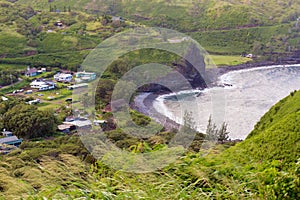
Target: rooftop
[(79, 123), (8, 139)]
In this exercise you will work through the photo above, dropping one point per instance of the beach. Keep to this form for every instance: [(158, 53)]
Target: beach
[(144, 101)]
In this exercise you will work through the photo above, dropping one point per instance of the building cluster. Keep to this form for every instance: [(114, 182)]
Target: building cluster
[(43, 85), (71, 123)]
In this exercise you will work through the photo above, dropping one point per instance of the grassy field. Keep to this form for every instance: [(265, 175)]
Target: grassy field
[(13, 67), (220, 60), (16, 86)]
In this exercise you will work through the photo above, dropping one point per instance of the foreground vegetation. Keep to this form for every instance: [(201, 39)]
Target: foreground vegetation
[(264, 166)]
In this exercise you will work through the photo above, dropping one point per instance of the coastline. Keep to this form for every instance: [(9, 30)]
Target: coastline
[(145, 105)]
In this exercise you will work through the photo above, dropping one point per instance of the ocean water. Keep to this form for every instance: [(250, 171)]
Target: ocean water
[(242, 98)]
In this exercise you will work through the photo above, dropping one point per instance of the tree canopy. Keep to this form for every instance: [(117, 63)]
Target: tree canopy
[(27, 121)]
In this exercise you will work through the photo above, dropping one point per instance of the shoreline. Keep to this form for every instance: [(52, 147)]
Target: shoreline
[(145, 104)]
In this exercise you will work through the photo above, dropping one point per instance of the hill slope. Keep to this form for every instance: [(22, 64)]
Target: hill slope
[(265, 166), (236, 23), (277, 135)]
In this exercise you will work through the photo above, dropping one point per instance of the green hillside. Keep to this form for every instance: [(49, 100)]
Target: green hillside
[(29, 36), (277, 135), (260, 27), (265, 166)]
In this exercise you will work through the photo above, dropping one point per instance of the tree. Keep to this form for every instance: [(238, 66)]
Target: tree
[(211, 130), (27, 121), (223, 133), (187, 132), (214, 134), (104, 91)]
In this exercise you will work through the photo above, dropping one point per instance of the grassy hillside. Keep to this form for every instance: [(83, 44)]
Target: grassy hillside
[(29, 36), (238, 26), (277, 135), (265, 166)]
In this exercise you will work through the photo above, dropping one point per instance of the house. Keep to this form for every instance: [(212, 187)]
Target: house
[(85, 76), (79, 123), (66, 128), (30, 72), (62, 77), (42, 85), (48, 86), (37, 84), (10, 139)]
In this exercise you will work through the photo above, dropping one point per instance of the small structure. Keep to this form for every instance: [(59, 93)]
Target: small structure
[(177, 40), (28, 92), (7, 133), (66, 128), (82, 85), (58, 23), (117, 19), (33, 102), (69, 119), (10, 139), (99, 122), (4, 98), (250, 55), (42, 70), (62, 77), (30, 72), (85, 76)]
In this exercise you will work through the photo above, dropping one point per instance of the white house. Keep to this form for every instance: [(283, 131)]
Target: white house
[(62, 77), (42, 85)]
